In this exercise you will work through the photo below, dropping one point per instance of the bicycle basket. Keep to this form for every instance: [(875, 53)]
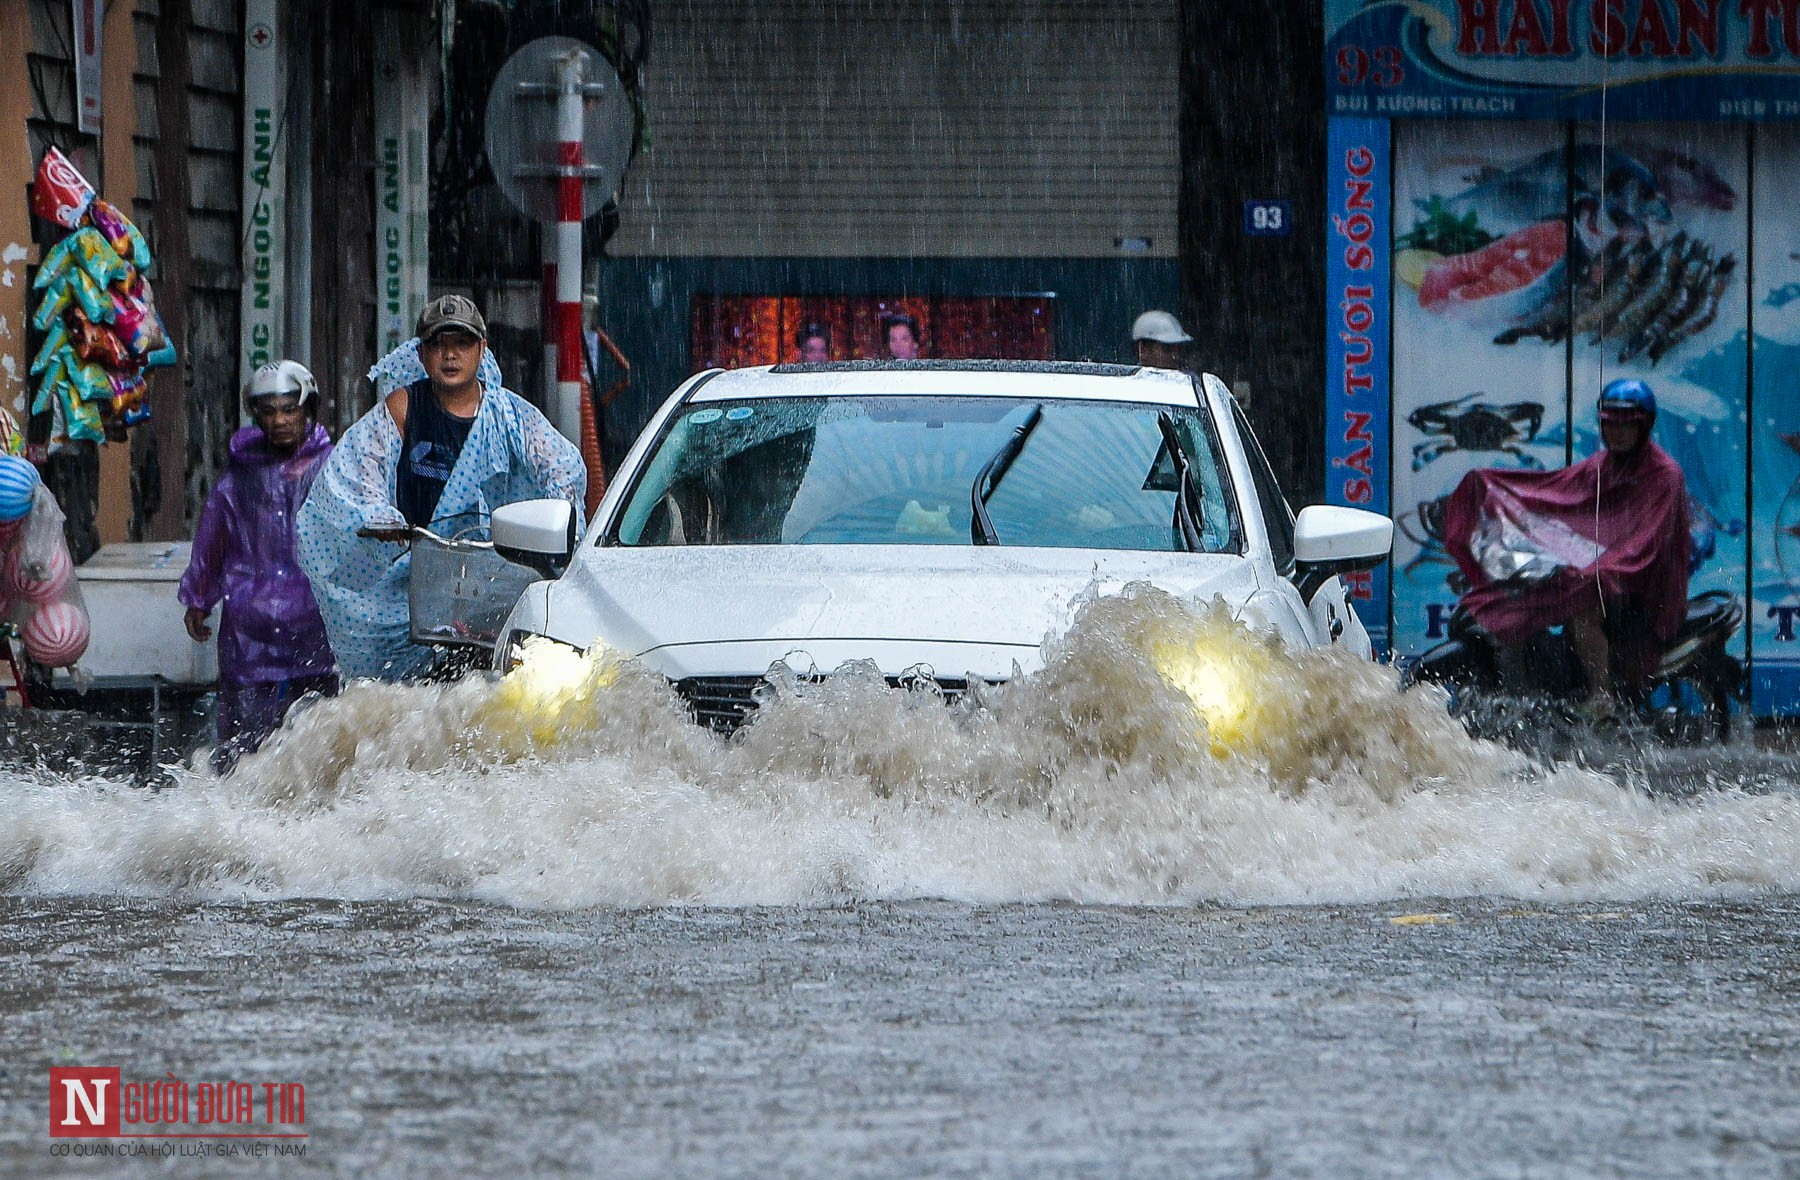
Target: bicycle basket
[(462, 591)]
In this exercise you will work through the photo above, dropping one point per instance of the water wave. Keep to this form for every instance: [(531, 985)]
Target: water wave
[(1163, 756)]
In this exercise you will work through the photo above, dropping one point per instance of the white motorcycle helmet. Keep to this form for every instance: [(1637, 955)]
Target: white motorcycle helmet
[(281, 377)]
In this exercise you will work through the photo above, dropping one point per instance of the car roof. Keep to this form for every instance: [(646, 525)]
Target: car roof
[(1072, 380)]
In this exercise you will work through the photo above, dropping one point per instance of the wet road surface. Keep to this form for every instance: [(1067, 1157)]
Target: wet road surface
[(884, 1039)]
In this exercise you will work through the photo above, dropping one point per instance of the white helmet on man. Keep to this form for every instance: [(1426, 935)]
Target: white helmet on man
[(1161, 327), (277, 378)]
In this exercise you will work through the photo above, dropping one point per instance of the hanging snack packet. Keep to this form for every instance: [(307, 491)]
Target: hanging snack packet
[(50, 307), (81, 419), (55, 265), (98, 343), (123, 235), (94, 300), (136, 323), (130, 404), (60, 193), (98, 258), (54, 340), (90, 381)]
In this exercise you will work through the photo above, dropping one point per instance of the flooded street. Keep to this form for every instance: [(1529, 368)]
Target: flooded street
[(1645, 1039), (1058, 928)]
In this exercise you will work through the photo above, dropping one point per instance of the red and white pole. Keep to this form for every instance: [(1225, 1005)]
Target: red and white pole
[(565, 273)]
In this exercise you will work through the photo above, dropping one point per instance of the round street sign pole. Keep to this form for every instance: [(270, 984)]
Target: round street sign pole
[(559, 133), (568, 246)]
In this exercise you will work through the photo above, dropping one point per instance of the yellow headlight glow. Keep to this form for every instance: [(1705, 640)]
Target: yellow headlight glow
[(551, 689), (1223, 670)]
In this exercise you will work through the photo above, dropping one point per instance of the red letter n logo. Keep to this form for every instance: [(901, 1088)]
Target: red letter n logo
[(84, 1103)]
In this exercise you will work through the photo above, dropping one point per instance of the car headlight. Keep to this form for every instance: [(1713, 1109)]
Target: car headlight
[(1224, 676), (549, 685)]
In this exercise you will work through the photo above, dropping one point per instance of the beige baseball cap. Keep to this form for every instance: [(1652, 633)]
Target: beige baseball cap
[(450, 312)]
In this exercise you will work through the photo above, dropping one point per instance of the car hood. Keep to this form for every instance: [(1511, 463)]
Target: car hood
[(734, 610)]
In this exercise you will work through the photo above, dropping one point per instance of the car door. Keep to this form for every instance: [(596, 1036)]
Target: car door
[(1329, 608)]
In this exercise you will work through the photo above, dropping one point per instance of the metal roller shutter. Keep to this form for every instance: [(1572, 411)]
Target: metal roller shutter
[(980, 128)]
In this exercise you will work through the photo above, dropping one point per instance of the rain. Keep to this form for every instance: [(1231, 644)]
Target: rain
[(1009, 589)]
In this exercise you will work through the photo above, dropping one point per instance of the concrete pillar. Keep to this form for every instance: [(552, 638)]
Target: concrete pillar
[(118, 173), (16, 249)]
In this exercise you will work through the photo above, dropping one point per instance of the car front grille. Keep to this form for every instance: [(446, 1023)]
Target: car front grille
[(724, 703)]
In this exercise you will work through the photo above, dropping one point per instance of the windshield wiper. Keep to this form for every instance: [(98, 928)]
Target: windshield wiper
[(981, 525), (1187, 514)]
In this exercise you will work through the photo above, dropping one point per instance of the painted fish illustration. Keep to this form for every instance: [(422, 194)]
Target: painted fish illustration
[(1551, 184), (1614, 285), (1658, 285), (1683, 178)]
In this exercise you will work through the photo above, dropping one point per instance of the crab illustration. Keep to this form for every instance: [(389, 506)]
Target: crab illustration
[(1465, 424), (1424, 527)]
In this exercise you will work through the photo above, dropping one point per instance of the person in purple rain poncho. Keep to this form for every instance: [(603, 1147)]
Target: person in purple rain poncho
[(272, 645)]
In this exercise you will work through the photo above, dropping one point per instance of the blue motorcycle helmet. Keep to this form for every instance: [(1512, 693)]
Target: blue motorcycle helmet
[(1628, 395)]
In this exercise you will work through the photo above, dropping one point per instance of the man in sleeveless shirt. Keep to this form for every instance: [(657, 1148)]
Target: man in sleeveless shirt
[(434, 414), (447, 447)]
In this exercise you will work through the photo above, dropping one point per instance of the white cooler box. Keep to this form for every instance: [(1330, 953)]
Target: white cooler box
[(129, 589)]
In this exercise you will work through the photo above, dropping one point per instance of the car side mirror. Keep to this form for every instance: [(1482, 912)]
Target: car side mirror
[(537, 534), (1330, 540)]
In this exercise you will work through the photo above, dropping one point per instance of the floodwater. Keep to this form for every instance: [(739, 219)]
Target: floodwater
[(1181, 904)]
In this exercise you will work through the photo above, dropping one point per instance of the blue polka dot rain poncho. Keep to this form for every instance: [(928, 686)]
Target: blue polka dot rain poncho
[(512, 454)]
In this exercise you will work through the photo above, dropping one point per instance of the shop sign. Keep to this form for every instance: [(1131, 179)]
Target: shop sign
[(1563, 59), (87, 17), (1357, 340), (265, 190), (402, 253)]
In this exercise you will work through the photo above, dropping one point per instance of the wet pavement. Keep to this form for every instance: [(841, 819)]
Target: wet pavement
[(884, 1039)]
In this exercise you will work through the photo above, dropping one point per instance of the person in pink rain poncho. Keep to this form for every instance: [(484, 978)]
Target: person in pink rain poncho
[(1609, 541), (272, 645)]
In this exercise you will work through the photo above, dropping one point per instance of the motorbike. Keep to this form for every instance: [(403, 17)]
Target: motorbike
[(1687, 698)]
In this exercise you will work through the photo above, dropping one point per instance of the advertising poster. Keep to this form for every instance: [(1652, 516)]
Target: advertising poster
[(736, 331), (1480, 265), (1358, 191), (1544, 59), (1662, 246), (1774, 306)]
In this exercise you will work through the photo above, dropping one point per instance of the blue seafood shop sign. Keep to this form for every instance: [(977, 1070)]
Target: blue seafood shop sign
[(1564, 59), (1528, 198)]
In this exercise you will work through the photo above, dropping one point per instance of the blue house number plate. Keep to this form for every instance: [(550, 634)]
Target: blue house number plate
[(1267, 219)]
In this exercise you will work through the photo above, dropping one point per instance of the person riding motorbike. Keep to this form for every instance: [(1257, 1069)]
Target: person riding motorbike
[(1599, 548), (446, 445)]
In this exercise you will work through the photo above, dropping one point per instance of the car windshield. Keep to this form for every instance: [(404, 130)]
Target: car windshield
[(902, 470)]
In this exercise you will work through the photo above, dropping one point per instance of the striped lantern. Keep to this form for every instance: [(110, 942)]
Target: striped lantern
[(37, 581), (57, 635), (18, 480)]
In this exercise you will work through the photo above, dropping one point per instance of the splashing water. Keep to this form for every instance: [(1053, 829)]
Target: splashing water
[(1164, 755)]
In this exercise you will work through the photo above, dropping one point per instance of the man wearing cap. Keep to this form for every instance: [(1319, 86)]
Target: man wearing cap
[(447, 445), (1161, 341)]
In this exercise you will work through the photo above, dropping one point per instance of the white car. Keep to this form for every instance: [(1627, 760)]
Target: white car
[(937, 518)]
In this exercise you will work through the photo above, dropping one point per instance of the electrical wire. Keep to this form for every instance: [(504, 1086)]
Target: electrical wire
[(1600, 468)]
